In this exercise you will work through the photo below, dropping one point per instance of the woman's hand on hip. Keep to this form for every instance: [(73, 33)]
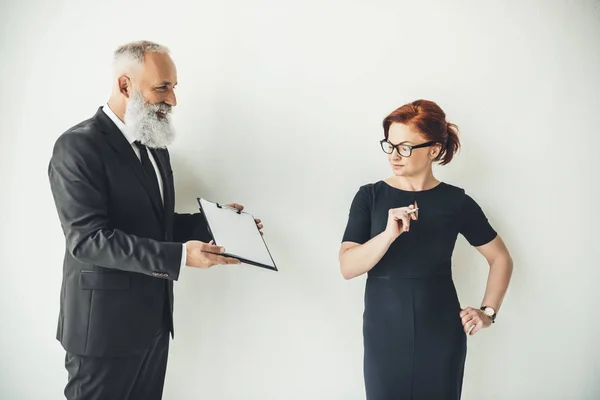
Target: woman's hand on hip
[(473, 320)]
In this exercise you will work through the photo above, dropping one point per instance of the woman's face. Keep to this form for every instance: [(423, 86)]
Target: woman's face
[(419, 160)]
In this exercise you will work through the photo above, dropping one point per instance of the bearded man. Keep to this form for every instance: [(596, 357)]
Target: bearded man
[(112, 184)]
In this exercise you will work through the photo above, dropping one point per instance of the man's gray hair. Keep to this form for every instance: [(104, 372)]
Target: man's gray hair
[(131, 55)]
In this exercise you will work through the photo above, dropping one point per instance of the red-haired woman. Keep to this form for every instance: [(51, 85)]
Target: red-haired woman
[(402, 232)]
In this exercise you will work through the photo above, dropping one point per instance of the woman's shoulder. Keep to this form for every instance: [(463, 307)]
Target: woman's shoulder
[(365, 190), (368, 192), (462, 192), (459, 197), (372, 189), (452, 189)]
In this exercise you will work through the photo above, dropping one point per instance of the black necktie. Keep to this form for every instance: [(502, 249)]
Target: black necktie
[(150, 171)]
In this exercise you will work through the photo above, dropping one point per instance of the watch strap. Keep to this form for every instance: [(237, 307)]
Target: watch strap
[(493, 316)]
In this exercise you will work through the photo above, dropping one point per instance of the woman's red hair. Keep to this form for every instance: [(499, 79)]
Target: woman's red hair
[(430, 120)]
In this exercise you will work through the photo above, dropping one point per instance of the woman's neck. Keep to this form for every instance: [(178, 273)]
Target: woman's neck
[(414, 183)]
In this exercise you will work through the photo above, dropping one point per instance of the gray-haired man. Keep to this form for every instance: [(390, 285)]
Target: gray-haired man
[(112, 184)]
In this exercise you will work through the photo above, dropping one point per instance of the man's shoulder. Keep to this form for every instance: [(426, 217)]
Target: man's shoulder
[(84, 133), (81, 143)]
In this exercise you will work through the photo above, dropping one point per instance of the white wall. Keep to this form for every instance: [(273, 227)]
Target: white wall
[(280, 109)]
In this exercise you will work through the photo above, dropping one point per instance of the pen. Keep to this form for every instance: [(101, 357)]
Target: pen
[(412, 211)]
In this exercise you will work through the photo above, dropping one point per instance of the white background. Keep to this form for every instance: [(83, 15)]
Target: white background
[(280, 109)]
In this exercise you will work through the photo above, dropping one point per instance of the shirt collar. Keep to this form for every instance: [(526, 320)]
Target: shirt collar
[(120, 124)]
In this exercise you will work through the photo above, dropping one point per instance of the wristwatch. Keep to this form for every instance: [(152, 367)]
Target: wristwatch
[(490, 312)]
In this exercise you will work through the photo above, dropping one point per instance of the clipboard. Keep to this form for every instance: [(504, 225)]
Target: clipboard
[(237, 232)]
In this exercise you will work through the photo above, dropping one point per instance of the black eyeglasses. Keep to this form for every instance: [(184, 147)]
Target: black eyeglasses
[(405, 150)]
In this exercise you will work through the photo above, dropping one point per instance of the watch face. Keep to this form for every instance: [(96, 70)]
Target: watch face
[(489, 311)]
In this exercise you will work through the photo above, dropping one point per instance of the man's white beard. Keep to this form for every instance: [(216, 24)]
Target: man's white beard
[(145, 125)]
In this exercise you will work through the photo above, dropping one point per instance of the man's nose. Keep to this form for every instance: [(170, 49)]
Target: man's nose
[(171, 99)]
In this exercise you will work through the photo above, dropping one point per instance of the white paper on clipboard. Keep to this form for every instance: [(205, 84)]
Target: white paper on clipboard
[(238, 233)]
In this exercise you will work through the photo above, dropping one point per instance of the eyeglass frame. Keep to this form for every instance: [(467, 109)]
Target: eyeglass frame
[(411, 147)]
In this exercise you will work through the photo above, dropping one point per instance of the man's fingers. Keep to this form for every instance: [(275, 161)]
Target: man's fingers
[(260, 226), (227, 260), (258, 221), (209, 248), (220, 260)]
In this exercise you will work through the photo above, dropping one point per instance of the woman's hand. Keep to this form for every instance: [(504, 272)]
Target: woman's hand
[(399, 220), (473, 320), (240, 207)]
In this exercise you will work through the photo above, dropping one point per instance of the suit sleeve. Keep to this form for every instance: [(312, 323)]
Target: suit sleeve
[(79, 188), (190, 227)]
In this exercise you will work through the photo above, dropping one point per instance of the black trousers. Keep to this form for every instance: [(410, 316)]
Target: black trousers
[(137, 377)]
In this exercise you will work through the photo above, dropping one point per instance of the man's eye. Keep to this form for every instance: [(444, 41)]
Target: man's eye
[(161, 88)]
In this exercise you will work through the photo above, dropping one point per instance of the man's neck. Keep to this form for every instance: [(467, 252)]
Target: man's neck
[(117, 108)]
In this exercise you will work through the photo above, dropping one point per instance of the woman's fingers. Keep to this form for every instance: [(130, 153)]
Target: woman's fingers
[(477, 327), (413, 214), (469, 325), (401, 215), (466, 318)]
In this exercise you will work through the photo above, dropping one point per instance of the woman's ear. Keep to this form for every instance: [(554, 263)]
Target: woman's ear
[(435, 151)]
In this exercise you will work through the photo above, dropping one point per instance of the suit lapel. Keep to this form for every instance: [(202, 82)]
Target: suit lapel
[(117, 141)]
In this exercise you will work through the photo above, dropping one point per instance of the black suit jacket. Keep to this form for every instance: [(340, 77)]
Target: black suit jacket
[(123, 247)]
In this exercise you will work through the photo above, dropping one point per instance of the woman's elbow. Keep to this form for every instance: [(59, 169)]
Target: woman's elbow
[(346, 274), (344, 269)]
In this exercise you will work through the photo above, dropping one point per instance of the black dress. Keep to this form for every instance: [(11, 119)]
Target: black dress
[(414, 343)]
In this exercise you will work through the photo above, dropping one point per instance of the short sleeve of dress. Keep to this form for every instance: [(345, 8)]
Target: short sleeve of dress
[(358, 228), (474, 225)]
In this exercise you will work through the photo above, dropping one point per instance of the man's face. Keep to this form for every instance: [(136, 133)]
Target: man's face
[(151, 98), (157, 80)]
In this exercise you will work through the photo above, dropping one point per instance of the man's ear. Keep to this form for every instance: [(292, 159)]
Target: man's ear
[(125, 85)]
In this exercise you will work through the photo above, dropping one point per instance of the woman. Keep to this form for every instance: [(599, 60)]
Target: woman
[(402, 232)]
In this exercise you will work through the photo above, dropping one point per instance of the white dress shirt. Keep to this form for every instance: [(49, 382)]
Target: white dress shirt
[(123, 128)]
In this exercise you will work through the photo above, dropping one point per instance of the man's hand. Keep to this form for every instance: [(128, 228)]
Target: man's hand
[(240, 207), (205, 255)]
